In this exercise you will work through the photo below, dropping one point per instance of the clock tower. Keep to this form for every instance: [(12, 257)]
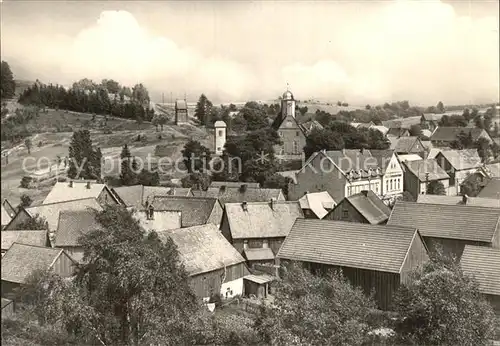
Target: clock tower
[(287, 105)]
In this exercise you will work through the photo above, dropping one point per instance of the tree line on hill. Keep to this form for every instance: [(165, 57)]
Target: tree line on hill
[(132, 289), (7, 83)]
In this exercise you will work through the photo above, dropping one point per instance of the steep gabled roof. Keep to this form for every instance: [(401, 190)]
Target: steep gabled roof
[(348, 244), (63, 192), (136, 195), (162, 220), (27, 237), (483, 263), (353, 160), (450, 134), (21, 260), (491, 189), (458, 200), (74, 224), (420, 168), (396, 131), (370, 207), (317, 202), (194, 210), (308, 126), (461, 159), (406, 144), (261, 220), (237, 195), (383, 157), (447, 221), (203, 249)]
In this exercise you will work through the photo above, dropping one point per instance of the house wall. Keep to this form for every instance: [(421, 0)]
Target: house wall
[(254, 288), (309, 214), (216, 215), (393, 172), (344, 211), (451, 246), (411, 184), (385, 284), (416, 257), (63, 266), (289, 133), (206, 284), (181, 116), (357, 186), (106, 198)]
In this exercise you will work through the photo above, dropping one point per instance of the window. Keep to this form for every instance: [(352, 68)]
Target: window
[(391, 184), (220, 133), (386, 185), (281, 134), (295, 147), (218, 148), (399, 184), (345, 214), (297, 133), (288, 123)]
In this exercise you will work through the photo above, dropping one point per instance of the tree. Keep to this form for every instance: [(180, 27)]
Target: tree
[(407, 197), (203, 109), (483, 148), (197, 180), (195, 156), (277, 181), (314, 310), (453, 121), (84, 160), (440, 108), (128, 165), (255, 116), (436, 187), (320, 139), (25, 201), (111, 86), (466, 114), (440, 305), (148, 178), (416, 130), (471, 186), (28, 144), (34, 223), (7, 84), (140, 95)]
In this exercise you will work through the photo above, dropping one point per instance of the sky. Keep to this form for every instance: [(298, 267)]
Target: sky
[(355, 51)]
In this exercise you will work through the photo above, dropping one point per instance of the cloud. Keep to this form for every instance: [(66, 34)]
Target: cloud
[(421, 51)]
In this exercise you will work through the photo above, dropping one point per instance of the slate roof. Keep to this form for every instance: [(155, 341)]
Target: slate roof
[(203, 249), (162, 220), (348, 244), (51, 211), (458, 200), (449, 134), (259, 220), (136, 195), (27, 237), (259, 254), (317, 202), (420, 168), (235, 195), (383, 157), (406, 144), (447, 221), (234, 184), (370, 206), (62, 192), (194, 210), (491, 189), (21, 260), (308, 126), (354, 160), (483, 262), (462, 159), (72, 225)]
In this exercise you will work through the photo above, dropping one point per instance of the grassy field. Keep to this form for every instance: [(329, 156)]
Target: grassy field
[(48, 143)]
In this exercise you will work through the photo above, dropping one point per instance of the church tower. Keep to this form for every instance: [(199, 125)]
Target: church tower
[(219, 136), (287, 105)]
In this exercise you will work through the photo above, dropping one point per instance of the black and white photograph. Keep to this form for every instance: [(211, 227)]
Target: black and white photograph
[(268, 173)]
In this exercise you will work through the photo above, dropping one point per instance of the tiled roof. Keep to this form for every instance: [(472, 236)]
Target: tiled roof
[(316, 203), (383, 157), (5, 216), (406, 144), (180, 104), (51, 211), (491, 189), (370, 206), (203, 248), (136, 195), (259, 279), (353, 160), (462, 159), (162, 220), (62, 192), (260, 220), (259, 254), (237, 195), (483, 263), (449, 134), (308, 126), (420, 168), (348, 244), (233, 184), (21, 260), (433, 153), (447, 221), (194, 210), (73, 224), (27, 237), (458, 200)]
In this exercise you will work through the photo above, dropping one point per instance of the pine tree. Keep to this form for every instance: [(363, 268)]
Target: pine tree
[(7, 84), (203, 109), (128, 174), (85, 161)]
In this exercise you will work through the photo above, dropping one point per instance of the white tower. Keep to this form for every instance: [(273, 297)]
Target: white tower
[(220, 136), (287, 105)]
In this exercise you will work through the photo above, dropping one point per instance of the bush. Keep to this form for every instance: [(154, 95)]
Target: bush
[(26, 182)]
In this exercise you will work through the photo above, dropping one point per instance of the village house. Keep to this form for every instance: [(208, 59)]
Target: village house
[(80, 189), (458, 164), (308, 126), (136, 196), (418, 174), (392, 178), (339, 172), (213, 265), (291, 134), (459, 200), (483, 263), (408, 145), (483, 174), (316, 205), (26, 237), (240, 192), (181, 112), (430, 121), (397, 132), (370, 256), (50, 213), (450, 227), (194, 211), (445, 136), (155, 220), (257, 229), (363, 207), (491, 189), (21, 260)]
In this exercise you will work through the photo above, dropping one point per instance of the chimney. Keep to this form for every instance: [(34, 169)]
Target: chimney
[(88, 184), (150, 212), (245, 244), (71, 183), (244, 205), (465, 199)]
